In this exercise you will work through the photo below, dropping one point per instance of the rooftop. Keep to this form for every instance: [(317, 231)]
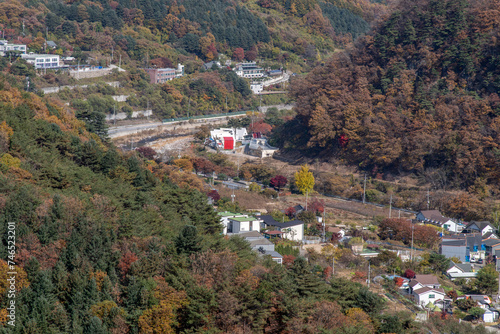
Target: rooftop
[(244, 219), (269, 220), (427, 289), (229, 214)]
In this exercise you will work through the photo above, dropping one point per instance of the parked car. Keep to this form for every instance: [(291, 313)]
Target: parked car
[(480, 261)]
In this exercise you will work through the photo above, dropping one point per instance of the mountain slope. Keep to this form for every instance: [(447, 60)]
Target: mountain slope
[(419, 93)]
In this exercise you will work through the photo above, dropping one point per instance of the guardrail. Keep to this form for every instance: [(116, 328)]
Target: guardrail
[(236, 113)]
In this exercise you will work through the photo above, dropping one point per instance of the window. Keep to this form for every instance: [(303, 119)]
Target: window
[(432, 296)]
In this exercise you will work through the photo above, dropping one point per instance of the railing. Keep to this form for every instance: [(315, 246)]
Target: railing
[(236, 113)]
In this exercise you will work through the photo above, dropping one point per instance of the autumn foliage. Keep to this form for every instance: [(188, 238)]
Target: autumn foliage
[(405, 99)]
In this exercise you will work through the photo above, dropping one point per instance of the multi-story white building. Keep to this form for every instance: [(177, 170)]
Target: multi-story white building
[(6, 46), (249, 70), (42, 61)]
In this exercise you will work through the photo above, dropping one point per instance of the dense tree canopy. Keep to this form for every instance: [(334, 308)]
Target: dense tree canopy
[(420, 92)]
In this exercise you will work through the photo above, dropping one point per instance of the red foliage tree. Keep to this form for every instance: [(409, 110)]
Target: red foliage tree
[(288, 260), (261, 127), (239, 54), (290, 212), (316, 206), (336, 238), (203, 165), (126, 261), (252, 54), (343, 140), (398, 281), (162, 62), (214, 195), (327, 273), (409, 273), (146, 152), (278, 182)]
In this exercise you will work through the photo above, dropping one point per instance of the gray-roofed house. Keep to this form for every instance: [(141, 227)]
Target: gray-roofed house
[(482, 227), (292, 230), (436, 218), (460, 270), (261, 245), (51, 44), (209, 65), (466, 247), (491, 246)]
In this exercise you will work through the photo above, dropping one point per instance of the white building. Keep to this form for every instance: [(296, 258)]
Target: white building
[(6, 46), (243, 224), (236, 133), (249, 70), (42, 61), (291, 230), (256, 87), (226, 215), (426, 295)]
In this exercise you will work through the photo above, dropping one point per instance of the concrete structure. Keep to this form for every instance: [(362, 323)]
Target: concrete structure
[(237, 134), (243, 224), (162, 75), (292, 230), (6, 46), (259, 147), (256, 87), (41, 61), (249, 70), (491, 315)]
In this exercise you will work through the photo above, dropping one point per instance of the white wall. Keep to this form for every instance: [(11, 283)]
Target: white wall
[(296, 233), (424, 299)]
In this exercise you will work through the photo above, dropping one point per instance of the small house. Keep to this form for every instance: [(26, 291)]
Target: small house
[(424, 281), (426, 295), (482, 227), (292, 230)]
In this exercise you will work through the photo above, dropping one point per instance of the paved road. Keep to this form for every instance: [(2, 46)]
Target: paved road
[(126, 130)]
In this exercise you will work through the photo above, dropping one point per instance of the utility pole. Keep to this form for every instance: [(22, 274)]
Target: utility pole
[(233, 196), (114, 114), (364, 191), (390, 207), (120, 63), (112, 51), (324, 224), (147, 111), (333, 264), (428, 200), (411, 250), (369, 272)]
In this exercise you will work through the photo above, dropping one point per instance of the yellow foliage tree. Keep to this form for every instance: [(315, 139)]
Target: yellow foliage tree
[(9, 161), (21, 278), (184, 164), (304, 180), (161, 318)]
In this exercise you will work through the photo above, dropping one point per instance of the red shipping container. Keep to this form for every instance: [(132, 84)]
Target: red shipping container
[(228, 143)]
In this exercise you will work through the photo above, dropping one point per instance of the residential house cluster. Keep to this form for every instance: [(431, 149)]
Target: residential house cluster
[(236, 223), (477, 241)]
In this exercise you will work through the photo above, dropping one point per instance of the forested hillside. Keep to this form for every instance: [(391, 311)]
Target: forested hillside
[(114, 243), (180, 29), (419, 94)]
